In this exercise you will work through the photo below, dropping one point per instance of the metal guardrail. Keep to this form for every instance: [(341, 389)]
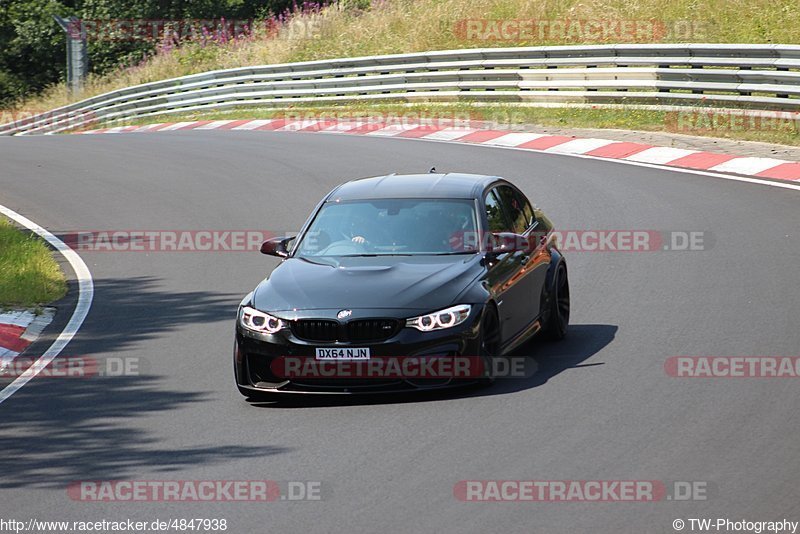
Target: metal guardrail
[(763, 77)]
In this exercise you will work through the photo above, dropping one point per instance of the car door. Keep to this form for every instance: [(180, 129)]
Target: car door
[(507, 272), (526, 284), (538, 261)]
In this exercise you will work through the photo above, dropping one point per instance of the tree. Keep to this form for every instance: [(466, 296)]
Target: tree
[(32, 46)]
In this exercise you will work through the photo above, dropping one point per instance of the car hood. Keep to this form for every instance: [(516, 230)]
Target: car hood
[(396, 282)]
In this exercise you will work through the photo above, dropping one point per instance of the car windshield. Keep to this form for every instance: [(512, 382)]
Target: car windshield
[(391, 227)]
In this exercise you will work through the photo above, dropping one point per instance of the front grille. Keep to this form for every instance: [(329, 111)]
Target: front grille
[(357, 331), (371, 329), (315, 330)]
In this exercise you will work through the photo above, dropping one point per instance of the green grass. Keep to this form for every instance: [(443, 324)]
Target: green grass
[(29, 276), (402, 26), (506, 117)]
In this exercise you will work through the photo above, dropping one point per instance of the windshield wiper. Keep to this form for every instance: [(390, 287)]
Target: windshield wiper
[(374, 255)]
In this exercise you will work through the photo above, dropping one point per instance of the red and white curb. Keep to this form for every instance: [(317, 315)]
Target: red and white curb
[(696, 160), (82, 307), (18, 329)]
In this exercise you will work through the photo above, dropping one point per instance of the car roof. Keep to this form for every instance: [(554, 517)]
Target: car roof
[(429, 185)]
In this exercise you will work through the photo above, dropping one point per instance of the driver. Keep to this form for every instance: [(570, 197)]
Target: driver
[(358, 229)]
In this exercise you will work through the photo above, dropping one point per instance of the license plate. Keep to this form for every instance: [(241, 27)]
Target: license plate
[(343, 354)]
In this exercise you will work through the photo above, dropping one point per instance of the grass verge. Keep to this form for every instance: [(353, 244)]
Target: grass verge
[(29, 276)]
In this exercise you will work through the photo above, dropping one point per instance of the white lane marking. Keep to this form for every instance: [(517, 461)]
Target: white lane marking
[(213, 125), (85, 296), (252, 125), (579, 146), (660, 154), (513, 139), (747, 165)]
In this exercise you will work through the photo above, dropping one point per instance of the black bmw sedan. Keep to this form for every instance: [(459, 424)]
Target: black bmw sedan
[(402, 282)]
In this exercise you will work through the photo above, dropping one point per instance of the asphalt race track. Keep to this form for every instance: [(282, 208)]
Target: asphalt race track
[(600, 407)]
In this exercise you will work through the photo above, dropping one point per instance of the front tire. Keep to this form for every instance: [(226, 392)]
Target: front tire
[(489, 342), (555, 328)]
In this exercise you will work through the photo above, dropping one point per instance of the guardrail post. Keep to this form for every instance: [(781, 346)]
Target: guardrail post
[(77, 54)]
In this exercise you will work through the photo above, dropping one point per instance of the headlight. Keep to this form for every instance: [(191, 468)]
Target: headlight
[(257, 321), (440, 320)]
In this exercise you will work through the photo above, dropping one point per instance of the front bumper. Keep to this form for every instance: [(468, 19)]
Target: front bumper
[(257, 356)]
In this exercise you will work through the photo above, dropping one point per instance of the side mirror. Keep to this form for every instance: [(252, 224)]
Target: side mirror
[(505, 242), (277, 246)]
